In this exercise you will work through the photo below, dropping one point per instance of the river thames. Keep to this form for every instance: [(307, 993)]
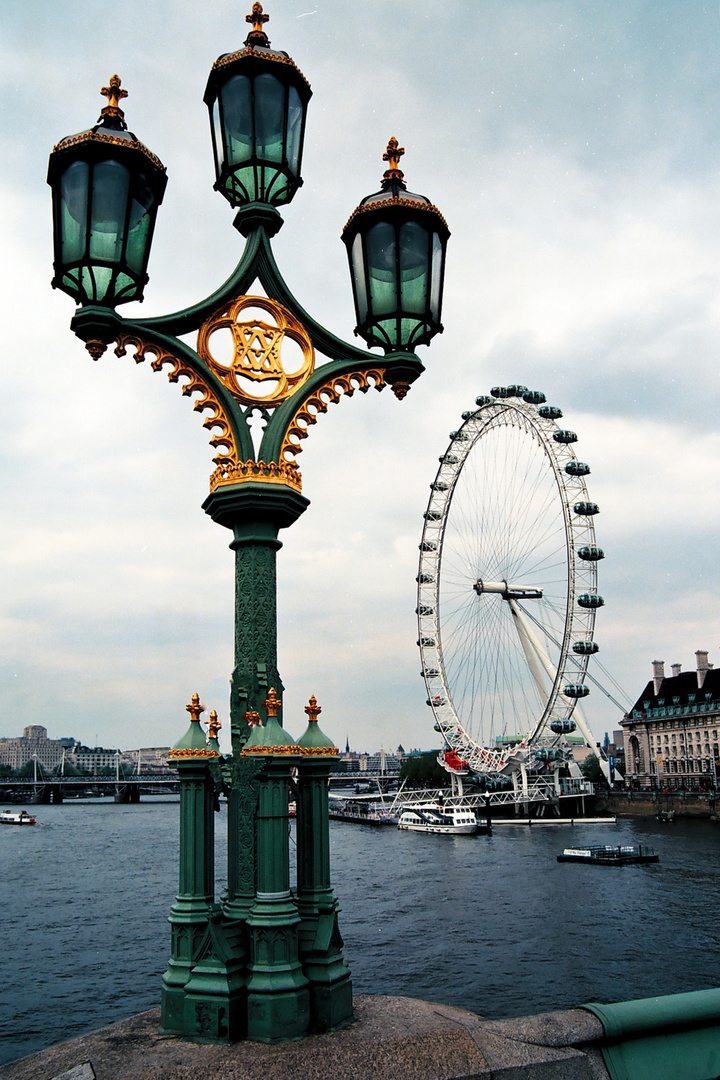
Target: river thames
[(493, 924)]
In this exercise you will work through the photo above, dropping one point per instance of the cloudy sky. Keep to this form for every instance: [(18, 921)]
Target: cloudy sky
[(574, 148)]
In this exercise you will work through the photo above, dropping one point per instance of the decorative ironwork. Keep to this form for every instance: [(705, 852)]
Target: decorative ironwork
[(269, 472), (292, 751), (327, 394), (214, 725), (208, 402), (257, 349), (313, 710), (272, 703), (193, 754), (114, 94), (392, 155), (257, 35)]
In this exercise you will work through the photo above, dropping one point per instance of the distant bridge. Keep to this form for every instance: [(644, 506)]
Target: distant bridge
[(55, 789)]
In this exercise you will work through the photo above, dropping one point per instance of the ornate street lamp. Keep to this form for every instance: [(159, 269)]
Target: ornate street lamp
[(266, 962), (106, 189), (257, 100), (396, 246)]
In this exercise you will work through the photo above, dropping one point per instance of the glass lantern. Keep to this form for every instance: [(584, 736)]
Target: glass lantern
[(106, 190), (257, 100), (396, 246)]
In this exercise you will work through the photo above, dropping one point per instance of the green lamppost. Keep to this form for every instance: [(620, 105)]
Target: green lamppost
[(106, 190)]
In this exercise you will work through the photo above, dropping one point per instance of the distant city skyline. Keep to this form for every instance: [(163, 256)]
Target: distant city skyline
[(575, 152)]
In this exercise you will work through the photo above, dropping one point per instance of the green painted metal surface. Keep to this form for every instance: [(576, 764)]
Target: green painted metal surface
[(264, 963), (676, 1037)]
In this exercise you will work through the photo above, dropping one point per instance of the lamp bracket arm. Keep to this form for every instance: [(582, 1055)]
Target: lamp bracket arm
[(323, 340), (319, 391), (178, 358), (189, 319)]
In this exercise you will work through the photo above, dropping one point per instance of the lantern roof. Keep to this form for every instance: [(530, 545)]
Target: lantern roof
[(111, 129), (394, 194), (256, 50)]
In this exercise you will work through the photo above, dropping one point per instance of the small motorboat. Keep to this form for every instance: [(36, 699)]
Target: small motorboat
[(436, 818), (610, 856), (7, 817)]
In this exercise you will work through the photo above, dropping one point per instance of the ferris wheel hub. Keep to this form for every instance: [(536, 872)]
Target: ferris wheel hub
[(508, 592)]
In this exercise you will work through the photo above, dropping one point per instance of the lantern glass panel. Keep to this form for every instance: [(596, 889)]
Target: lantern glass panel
[(413, 268), (110, 184), (237, 123), (139, 223), (294, 131), (436, 281), (218, 134), (358, 270), (73, 211), (381, 249), (269, 118)]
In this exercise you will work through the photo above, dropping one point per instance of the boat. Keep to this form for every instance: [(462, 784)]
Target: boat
[(436, 818), (7, 817), (610, 856)]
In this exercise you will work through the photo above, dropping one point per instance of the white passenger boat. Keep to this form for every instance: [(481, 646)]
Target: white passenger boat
[(7, 817), (436, 818)]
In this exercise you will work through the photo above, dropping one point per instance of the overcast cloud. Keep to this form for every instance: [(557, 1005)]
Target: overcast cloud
[(574, 149)]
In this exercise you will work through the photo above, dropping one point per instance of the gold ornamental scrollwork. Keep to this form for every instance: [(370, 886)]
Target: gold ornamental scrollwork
[(222, 438), (327, 394), (257, 351)]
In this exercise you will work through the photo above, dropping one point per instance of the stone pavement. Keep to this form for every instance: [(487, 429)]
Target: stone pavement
[(392, 1038)]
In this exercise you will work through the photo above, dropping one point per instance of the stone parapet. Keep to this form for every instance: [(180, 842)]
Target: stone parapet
[(392, 1038)]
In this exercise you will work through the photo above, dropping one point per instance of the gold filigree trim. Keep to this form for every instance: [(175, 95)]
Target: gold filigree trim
[(193, 754), (223, 438), (292, 751), (113, 140), (257, 350), (382, 203), (327, 394), (267, 472), (265, 54)]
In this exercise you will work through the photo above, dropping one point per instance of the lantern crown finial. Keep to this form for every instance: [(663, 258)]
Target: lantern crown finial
[(257, 35), (114, 93), (393, 175)]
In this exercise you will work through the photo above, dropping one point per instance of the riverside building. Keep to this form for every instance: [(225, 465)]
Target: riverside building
[(671, 733), (33, 744)]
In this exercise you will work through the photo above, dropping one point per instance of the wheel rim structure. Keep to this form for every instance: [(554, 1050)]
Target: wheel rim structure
[(507, 585)]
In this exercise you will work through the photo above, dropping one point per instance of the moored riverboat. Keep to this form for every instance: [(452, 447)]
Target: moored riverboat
[(435, 818), (8, 817), (607, 855)]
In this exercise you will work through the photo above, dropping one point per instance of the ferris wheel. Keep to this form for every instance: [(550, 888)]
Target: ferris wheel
[(507, 585)]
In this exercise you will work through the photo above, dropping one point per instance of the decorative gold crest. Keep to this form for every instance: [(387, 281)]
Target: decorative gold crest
[(261, 367)]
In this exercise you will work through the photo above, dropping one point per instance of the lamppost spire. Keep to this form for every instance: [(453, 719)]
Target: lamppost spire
[(114, 93), (257, 35), (393, 175)]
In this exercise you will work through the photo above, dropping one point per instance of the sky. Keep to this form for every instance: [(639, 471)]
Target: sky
[(574, 149)]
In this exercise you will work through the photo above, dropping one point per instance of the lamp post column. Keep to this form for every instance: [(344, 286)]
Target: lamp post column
[(255, 512), (321, 944), (195, 899), (278, 1003)]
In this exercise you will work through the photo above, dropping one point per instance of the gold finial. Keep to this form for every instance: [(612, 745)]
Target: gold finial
[(252, 718), (258, 18), (313, 710), (214, 725), (392, 155), (272, 703), (195, 708), (114, 94)]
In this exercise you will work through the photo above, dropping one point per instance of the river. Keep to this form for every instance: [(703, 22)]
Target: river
[(493, 924)]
